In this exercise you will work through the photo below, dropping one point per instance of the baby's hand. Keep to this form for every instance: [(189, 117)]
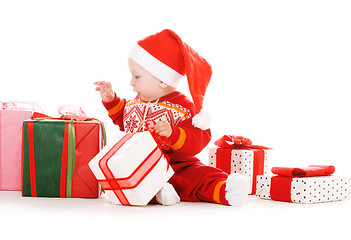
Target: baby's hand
[(163, 128), (105, 89)]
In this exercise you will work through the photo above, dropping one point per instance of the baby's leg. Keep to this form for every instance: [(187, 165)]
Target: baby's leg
[(195, 181)]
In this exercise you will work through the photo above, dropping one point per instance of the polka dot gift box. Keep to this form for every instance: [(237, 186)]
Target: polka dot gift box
[(238, 155), (313, 184)]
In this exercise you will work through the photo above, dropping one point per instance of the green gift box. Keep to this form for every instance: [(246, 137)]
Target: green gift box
[(55, 159)]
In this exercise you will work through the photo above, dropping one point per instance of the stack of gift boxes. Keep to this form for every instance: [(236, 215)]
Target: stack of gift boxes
[(63, 157), (312, 184), (47, 157)]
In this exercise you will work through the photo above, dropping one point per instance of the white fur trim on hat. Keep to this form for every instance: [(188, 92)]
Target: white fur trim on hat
[(202, 120), (154, 66)]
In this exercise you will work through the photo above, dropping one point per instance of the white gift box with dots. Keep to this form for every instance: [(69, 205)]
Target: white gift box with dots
[(242, 161), (309, 189)]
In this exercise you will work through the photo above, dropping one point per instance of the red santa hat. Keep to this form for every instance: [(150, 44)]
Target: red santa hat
[(168, 58)]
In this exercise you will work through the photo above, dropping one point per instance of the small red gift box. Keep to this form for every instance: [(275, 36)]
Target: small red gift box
[(238, 155)]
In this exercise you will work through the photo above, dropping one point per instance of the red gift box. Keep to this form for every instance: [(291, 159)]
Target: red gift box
[(88, 144), (46, 167)]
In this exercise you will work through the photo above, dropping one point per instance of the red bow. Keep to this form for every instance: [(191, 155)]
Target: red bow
[(236, 142), (233, 141), (68, 112)]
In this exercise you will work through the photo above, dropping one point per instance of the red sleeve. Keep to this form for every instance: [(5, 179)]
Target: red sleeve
[(189, 140), (115, 110)]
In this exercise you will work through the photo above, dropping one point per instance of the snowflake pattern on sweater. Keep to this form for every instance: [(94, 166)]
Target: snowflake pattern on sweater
[(139, 115)]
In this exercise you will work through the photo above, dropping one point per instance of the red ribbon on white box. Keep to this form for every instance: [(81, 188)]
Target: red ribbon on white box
[(280, 189), (231, 142), (133, 180)]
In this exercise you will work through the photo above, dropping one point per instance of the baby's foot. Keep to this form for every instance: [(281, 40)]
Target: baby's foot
[(167, 195), (237, 189)]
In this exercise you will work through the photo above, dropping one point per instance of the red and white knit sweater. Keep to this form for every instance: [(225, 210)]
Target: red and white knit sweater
[(175, 108)]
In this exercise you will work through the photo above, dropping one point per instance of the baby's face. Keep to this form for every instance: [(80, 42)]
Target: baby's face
[(145, 84)]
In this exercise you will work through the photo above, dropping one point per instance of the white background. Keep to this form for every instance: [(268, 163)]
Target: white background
[(281, 73)]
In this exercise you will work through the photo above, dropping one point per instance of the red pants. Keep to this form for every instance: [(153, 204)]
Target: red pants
[(195, 181)]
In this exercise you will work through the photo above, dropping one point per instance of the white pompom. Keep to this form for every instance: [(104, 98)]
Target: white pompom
[(202, 120)]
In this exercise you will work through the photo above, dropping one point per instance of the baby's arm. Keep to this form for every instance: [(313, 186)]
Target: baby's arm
[(185, 138), (189, 140)]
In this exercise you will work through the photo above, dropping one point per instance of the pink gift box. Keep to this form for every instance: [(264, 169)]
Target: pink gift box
[(11, 126)]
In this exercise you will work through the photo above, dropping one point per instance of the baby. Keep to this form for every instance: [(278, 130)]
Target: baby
[(157, 63)]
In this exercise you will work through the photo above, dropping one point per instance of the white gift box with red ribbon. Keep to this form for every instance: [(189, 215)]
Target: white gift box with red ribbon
[(303, 189), (236, 154), (132, 170)]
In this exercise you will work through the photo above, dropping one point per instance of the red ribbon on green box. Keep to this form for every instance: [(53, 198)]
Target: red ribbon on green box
[(41, 169)]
